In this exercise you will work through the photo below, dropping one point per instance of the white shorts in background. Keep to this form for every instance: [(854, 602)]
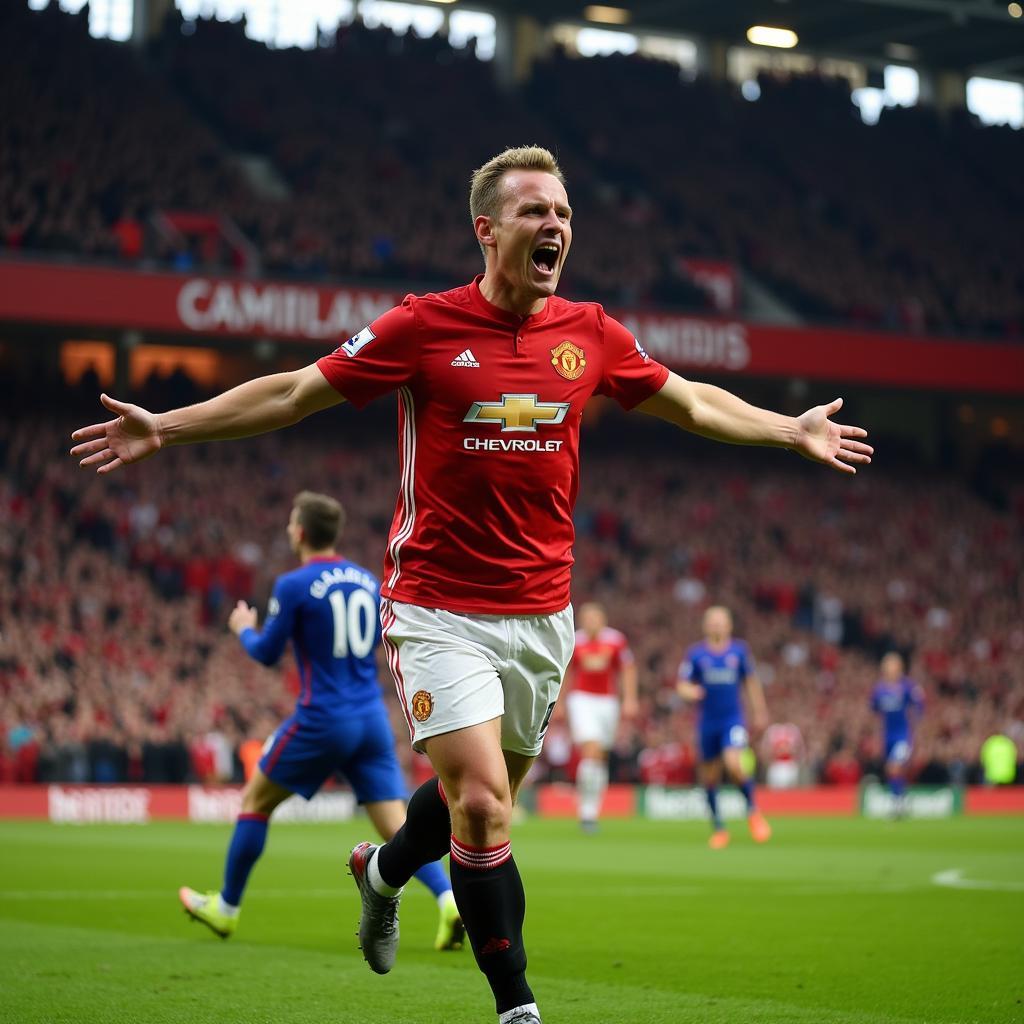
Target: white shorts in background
[(455, 670), (593, 718)]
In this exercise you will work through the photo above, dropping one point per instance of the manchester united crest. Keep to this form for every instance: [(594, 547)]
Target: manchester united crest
[(568, 360), (422, 705)]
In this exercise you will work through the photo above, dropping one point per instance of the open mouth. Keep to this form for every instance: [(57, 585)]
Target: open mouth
[(545, 258)]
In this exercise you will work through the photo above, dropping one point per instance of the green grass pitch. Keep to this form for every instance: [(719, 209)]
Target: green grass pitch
[(833, 921)]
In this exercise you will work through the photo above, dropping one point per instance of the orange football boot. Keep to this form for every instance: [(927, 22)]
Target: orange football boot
[(760, 830), (719, 839)]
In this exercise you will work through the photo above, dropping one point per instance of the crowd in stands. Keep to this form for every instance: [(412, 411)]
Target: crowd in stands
[(116, 664), (906, 225)]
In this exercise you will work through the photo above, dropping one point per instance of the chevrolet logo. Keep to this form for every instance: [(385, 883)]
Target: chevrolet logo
[(519, 413)]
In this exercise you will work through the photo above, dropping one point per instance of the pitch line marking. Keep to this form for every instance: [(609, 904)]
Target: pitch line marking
[(953, 879)]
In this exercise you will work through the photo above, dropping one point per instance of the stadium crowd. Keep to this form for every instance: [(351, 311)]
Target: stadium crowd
[(659, 172), (116, 664)]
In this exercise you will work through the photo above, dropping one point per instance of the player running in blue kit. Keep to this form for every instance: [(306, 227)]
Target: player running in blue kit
[(711, 676), (330, 609), (899, 702)]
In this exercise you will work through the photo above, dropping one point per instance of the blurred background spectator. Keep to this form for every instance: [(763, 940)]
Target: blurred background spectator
[(154, 165), (115, 663)]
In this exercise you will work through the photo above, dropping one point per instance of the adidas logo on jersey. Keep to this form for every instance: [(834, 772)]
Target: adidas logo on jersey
[(465, 359)]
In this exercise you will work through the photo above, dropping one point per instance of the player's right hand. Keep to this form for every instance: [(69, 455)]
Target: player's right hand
[(242, 617), (133, 436), (693, 692)]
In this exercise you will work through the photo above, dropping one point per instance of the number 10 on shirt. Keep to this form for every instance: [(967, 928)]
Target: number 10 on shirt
[(355, 625)]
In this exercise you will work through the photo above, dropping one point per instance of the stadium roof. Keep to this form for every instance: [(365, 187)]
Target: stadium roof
[(978, 36)]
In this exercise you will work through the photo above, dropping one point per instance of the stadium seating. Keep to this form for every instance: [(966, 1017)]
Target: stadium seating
[(368, 136)]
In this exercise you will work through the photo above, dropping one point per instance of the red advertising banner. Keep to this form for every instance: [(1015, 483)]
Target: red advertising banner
[(136, 805), (559, 801), (994, 800), (760, 350), (101, 298), (83, 296)]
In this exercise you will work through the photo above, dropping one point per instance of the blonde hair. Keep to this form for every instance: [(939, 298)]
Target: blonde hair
[(485, 185)]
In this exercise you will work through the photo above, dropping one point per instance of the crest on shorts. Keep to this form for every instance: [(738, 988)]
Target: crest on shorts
[(422, 705), (568, 360)]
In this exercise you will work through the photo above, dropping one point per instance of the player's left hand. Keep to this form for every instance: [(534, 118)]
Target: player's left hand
[(834, 444), (630, 709), (241, 617)]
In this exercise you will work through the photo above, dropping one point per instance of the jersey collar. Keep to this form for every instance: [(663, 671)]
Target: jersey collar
[(504, 316)]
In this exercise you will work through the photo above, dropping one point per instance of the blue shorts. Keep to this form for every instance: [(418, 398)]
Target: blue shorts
[(716, 736), (301, 756), (897, 749)]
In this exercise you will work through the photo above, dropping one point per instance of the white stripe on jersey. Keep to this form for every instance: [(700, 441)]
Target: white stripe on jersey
[(387, 616), (404, 532)]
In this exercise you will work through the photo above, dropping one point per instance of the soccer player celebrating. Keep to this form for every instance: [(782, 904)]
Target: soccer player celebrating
[(899, 702), (711, 676), (477, 622), (330, 610), (601, 661)]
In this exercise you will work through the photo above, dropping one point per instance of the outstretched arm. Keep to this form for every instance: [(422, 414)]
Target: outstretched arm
[(255, 407), (713, 412)]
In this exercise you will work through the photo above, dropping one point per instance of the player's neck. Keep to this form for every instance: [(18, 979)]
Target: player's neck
[(500, 292), (307, 555), (718, 645)]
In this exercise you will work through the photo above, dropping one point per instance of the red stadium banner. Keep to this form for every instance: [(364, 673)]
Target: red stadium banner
[(559, 801), (201, 306), (758, 350), (136, 805), (994, 800), (84, 296)]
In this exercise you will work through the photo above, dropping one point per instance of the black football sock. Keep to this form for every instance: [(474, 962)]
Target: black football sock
[(490, 897), (425, 836)]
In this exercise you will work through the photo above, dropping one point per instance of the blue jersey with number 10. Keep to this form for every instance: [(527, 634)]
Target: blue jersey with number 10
[(330, 610)]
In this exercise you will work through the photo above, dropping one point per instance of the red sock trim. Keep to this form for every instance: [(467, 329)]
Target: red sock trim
[(254, 817), (441, 793), (480, 858)]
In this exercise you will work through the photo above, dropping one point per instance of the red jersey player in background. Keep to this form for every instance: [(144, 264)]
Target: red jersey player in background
[(477, 621), (601, 663)]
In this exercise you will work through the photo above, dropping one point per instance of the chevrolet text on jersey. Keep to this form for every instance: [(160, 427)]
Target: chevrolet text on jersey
[(501, 444)]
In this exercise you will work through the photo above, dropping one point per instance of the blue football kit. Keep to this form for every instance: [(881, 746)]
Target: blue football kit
[(720, 713), (898, 704), (329, 610)]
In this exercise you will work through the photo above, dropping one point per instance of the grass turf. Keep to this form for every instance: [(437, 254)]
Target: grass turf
[(833, 921)]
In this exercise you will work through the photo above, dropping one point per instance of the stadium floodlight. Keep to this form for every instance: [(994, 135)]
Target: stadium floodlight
[(606, 15), (764, 35), (1015, 10)]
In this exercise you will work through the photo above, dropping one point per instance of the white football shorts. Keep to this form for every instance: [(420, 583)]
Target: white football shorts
[(593, 718), (454, 670)]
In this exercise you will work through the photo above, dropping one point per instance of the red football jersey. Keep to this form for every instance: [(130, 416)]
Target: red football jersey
[(489, 420), (596, 663)]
